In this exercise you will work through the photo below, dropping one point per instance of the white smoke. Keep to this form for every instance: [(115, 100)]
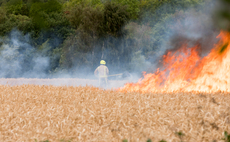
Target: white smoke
[(193, 26), (18, 58)]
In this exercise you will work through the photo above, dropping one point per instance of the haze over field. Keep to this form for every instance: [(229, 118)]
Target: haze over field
[(68, 39)]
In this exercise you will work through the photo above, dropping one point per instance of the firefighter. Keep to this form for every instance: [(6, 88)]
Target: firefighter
[(102, 72)]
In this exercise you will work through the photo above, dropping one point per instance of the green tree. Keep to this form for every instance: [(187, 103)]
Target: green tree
[(222, 16), (84, 3), (23, 23), (17, 7), (39, 12), (153, 11), (133, 7), (115, 18), (2, 15)]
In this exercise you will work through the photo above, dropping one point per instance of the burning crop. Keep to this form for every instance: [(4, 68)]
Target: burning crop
[(185, 71), (185, 100)]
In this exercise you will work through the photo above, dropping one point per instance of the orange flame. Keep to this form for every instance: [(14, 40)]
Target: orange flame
[(184, 70)]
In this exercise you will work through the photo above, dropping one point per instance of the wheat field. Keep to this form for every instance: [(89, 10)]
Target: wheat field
[(65, 113), (61, 82)]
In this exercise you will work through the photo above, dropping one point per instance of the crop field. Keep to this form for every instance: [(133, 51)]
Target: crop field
[(60, 82), (68, 113)]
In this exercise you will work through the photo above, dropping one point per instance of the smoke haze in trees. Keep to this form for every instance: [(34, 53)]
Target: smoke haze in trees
[(194, 26), (19, 59)]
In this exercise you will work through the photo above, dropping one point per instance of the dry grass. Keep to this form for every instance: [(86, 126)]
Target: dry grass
[(30, 112)]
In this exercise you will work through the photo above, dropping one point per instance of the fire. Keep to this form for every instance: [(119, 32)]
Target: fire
[(184, 70)]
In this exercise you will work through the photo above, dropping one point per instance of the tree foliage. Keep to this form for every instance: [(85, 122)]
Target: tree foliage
[(79, 33)]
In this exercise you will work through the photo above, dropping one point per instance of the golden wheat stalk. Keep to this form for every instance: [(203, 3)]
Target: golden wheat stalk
[(29, 112)]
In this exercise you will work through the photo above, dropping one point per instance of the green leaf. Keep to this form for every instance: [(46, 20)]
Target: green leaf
[(149, 140), (180, 133), (125, 140)]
